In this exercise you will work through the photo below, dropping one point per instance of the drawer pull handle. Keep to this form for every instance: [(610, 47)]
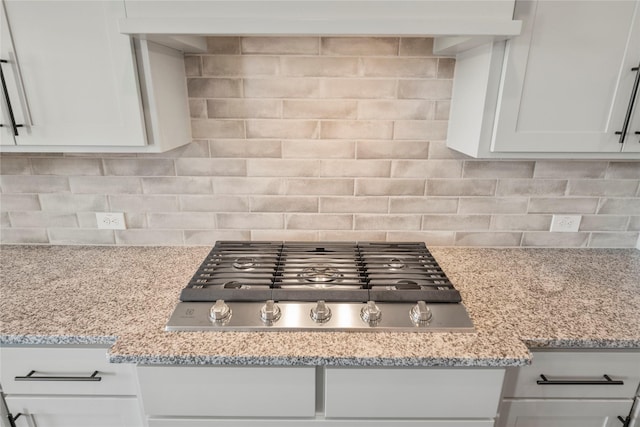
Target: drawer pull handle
[(607, 381), (31, 377)]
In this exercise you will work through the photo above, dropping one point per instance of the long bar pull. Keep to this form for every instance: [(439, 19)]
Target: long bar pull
[(632, 100), (31, 377), (607, 381), (14, 125)]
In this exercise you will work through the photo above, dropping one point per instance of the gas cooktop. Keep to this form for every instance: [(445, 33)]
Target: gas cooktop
[(334, 286)]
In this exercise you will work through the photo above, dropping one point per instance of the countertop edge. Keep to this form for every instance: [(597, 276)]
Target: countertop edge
[(321, 361), (200, 360), (57, 340)]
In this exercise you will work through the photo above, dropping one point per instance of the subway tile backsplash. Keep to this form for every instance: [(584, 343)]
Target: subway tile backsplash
[(317, 138)]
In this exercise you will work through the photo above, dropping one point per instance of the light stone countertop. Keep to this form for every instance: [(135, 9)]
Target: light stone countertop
[(123, 296)]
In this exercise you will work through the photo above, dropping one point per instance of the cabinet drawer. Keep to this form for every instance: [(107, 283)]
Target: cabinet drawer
[(46, 411), (584, 367), (71, 363), (412, 393), (228, 391)]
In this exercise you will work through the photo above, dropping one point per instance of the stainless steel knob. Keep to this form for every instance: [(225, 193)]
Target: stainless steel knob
[(220, 311), (420, 313), (320, 313), (371, 313), (270, 312)]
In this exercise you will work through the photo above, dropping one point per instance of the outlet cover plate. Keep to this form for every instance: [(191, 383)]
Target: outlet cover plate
[(111, 220), (566, 223)]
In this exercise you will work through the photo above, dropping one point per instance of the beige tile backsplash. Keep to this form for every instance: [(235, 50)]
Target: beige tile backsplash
[(310, 138)]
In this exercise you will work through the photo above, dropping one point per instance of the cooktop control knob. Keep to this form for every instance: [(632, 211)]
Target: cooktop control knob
[(371, 313), (320, 313), (220, 311), (270, 312), (420, 313)]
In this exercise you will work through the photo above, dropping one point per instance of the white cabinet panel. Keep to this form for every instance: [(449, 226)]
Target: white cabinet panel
[(567, 79), (412, 393), (563, 413), (53, 400), (19, 361), (579, 366), (78, 72), (75, 411), (528, 404), (228, 391), (561, 89)]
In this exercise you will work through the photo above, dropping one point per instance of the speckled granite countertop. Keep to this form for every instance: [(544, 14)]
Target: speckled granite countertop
[(123, 296)]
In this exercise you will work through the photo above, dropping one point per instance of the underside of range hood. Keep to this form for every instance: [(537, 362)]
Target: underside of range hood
[(456, 24)]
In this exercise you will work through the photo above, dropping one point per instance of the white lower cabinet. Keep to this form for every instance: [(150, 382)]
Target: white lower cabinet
[(236, 396), (572, 388), (412, 393), (47, 411), (68, 386), (228, 391), (565, 413)]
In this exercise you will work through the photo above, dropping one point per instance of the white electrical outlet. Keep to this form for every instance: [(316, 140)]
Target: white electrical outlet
[(111, 220), (566, 223)]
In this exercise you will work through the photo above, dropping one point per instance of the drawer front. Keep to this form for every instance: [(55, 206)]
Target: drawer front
[(412, 393), (47, 411), (228, 391), (73, 364), (576, 366)]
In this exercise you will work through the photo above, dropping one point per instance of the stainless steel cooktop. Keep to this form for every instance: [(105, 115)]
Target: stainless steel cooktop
[(333, 286)]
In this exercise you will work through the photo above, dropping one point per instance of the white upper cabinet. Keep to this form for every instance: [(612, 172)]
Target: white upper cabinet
[(73, 82), (568, 78), (563, 88), (78, 74)]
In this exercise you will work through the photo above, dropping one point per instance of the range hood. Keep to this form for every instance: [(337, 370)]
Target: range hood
[(456, 25)]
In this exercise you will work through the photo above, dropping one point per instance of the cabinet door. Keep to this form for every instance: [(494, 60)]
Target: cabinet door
[(227, 391), (563, 413), (567, 80), (47, 411), (412, 393), (78, 74)]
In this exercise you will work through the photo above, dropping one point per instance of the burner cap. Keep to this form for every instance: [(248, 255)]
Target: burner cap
[(244, 263), (320, 273), (395, 264)]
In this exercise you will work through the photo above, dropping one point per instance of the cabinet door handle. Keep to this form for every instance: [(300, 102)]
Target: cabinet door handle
[(31, 377), (607, 381), (632, 100), (14, 125), (12, 419), (624, 421)]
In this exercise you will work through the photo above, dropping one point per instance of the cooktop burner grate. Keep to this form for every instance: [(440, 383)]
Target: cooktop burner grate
[(332, 271)]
